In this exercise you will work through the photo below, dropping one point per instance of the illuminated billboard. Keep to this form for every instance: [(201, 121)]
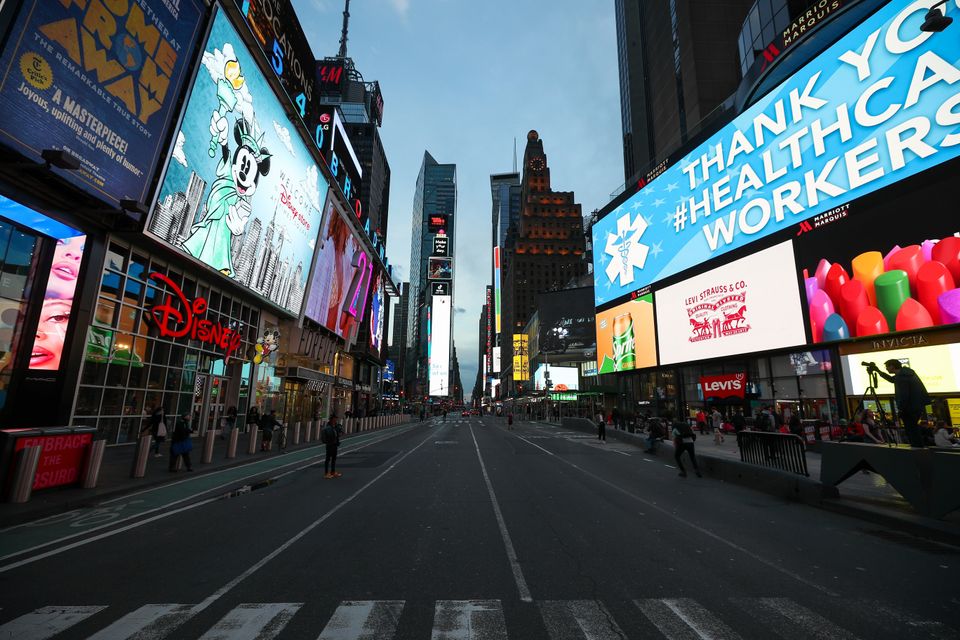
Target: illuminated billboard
[(937, 365), (562, 378), (440, 269), (878, 106), (439, 356), (566, 320), (625, 336), (868, 271), (496, 367), (241, 193), (377, 313), (342, 275), (496, 289), (521, 362), (436, 222), (750, 304), (441, 246), (100, 82)]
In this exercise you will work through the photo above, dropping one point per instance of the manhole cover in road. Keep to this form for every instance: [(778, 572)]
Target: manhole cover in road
[(446, 442)]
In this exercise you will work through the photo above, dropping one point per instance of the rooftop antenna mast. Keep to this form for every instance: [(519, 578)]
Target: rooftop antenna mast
[(514, 154), (343, 32)]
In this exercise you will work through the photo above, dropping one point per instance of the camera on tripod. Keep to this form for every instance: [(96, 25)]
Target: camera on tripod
[(870, 365)]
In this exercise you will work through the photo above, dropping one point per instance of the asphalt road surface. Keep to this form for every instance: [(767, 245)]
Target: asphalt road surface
[(465, 530)]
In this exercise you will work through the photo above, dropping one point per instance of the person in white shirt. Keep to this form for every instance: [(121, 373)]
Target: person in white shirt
[(943, 437)]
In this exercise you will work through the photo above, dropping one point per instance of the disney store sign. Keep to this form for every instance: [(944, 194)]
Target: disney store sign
[(179, 317)]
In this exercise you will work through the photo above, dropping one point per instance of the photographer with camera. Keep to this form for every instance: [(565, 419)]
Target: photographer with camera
[(910, 394)]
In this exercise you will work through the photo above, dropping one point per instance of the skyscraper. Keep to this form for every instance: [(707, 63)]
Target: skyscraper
[(678, 62), (544, 250), (398, 343), (434, 211)]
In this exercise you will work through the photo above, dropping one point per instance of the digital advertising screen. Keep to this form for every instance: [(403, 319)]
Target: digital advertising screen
[(876, 107), (439, 355), (626, 339), (751, 304), (521, 361), (566, 320), (377, 313), (440, 269), (436, 222), (241, 193), (101, 82), (341, 275), (938, 366), (868, 271), (563, 378), (441, 246)]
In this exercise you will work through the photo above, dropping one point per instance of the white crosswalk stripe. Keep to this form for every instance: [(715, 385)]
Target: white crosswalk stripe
[(468, 620), (684, 619), (579, 620), (253, 621), (892, 617), (364, 620), (793, 621), (47, 622), (149, 622)]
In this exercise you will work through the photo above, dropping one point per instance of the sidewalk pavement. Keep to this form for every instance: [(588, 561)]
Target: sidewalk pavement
[(117, 464), (865, 495)]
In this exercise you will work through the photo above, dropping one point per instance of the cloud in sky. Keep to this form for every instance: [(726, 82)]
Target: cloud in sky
[(178, 153)]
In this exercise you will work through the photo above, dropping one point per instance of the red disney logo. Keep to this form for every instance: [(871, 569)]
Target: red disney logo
[(183, 320)]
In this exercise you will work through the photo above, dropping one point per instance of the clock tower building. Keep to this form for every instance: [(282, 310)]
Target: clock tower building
[(544, 250)]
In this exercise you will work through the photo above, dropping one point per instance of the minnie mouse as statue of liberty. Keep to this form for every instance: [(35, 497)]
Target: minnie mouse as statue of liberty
[(228, 205)]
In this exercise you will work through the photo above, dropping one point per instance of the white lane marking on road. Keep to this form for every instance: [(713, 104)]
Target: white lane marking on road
[(47, 622), (684, 619), (579, 620), (468, 620), (507, 542), (253, 621), (887, 615), (149, 622), (793, 621), (364, 620), (160, 516), (692, 525), (310, 527)]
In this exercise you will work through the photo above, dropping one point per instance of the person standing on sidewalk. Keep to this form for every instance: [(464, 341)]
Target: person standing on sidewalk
[(683, 439), (330, 436), (739, 424), (601, 427), (717, 419), (229, 422), (156, 427), (181, 443)]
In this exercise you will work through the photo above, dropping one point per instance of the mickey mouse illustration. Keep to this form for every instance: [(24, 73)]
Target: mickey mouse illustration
[(266, 345), (228, 205)]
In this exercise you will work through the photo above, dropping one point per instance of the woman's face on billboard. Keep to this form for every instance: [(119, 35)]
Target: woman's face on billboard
[(51, 332)]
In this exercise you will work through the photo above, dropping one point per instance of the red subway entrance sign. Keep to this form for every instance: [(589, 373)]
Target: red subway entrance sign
[(724, 386)]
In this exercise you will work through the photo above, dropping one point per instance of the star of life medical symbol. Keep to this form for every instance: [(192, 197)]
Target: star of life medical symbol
[(625, 249)]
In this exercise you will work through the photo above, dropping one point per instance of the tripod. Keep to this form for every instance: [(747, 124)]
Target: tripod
[(870, 393)]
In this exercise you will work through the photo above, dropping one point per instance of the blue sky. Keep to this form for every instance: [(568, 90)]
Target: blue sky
[(462, 79)]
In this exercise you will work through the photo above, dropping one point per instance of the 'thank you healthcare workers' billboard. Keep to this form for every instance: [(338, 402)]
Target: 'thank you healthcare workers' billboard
[(881, 104)]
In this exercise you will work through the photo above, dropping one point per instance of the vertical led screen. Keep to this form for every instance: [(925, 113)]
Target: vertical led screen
[(440, 346), (57, 303), (377, 313), (868, 271), (877, 106), (342, 275), (521, 362), (625, 336), (99, 81), (241, 193), (496, 288), (750, 304)]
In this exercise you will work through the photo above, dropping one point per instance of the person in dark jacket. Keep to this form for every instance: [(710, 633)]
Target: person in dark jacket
[(180, 442), (330, 435), (156, 426), (267, 424), (911, 396)]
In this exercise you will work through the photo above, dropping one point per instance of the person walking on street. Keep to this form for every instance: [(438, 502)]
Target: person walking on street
[(683, 439), (717, 419), (181, 444), (510, 421), (601, 427), (330, 436), (911, 396), (739, 424), (701, 421), (267, 424), (157, 427), (253, 417)]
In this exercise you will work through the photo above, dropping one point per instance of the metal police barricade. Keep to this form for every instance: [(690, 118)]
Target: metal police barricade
[(783, 451)]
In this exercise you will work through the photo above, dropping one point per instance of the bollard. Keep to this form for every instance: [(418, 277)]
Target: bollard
[(140, 457), (283, 439), (208, 439), (91, 466), (296, 434), (27, 460), (254, 432), (232, 444)]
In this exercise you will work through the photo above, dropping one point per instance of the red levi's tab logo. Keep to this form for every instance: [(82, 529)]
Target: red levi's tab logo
[(724, 386)]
